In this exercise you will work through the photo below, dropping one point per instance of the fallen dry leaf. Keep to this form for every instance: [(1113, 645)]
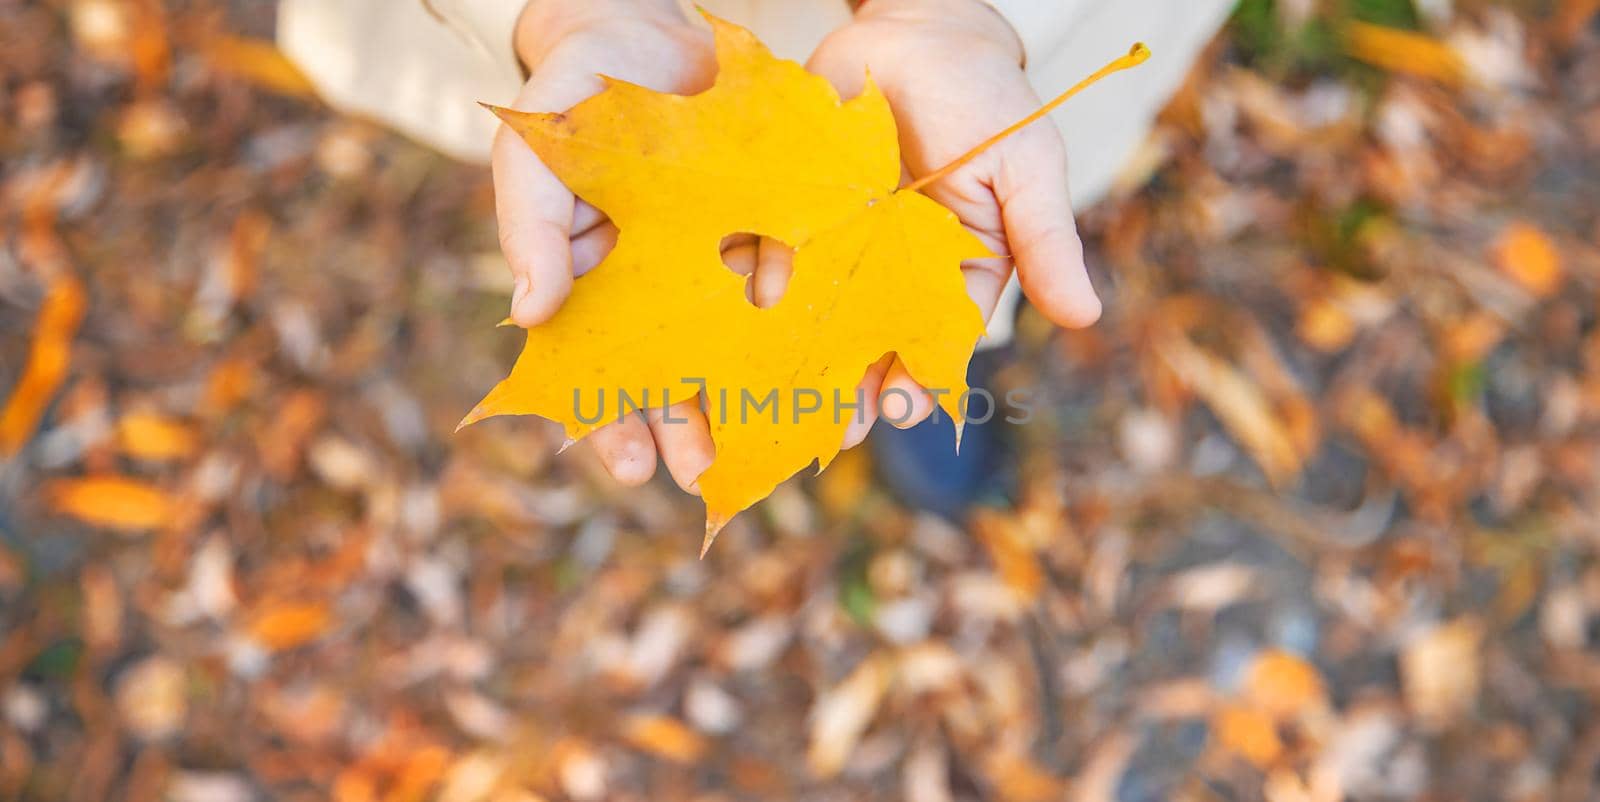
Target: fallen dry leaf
[(1441, 671), (112, 502), (1240, 403), (152, 437), (286, 625), (1282, 684), (260, 63), (48, 359), (151, 696), (1247, 732), (841, 714), (1527, 256), (1405, 52), (665, 737)]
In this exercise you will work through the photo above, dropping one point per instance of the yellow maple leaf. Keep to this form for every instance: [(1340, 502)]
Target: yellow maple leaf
[(769, 149)]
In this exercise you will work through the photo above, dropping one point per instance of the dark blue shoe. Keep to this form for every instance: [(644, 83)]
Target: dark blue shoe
[(920, 465)]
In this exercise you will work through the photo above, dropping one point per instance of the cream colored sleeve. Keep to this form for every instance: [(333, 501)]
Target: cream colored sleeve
[(1066, 40), (420, 67)]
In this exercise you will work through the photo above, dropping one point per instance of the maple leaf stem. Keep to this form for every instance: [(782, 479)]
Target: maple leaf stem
[(1136, 55)]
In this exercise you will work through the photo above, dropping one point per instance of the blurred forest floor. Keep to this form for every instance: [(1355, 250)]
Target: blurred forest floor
[(1314, 512)]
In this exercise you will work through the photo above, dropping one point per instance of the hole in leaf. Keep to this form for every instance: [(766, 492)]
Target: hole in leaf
[(765, 263)]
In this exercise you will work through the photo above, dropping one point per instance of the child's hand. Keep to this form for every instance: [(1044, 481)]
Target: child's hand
[(951, 70), (549, 236)]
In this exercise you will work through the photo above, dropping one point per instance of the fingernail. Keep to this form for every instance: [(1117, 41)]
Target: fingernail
[(519, 291)]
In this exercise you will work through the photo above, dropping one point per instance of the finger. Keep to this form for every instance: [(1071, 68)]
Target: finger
[(985, 280), (586, 218), (626, 449), (592, 247), (903, 401), (739, 253), (534, 212), (1031, 188), (774, 265), (683, 438), (861, 420)]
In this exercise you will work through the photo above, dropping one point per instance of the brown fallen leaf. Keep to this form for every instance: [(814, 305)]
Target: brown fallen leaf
[(1239, 403), (841, 714)]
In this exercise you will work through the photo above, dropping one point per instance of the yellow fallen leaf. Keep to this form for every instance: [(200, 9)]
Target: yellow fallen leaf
[(48, 358), (286, 625), (148, 436), (1525, 254), (769, 149), (1406, 52), (111, 502), (665, 737)]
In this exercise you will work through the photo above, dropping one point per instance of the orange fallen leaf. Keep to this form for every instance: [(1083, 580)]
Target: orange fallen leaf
[(1282, 684), (1248, 733), (230, 382), (1017, 778), (48, 359), (1325, 326), (287, 625), (111, 502), (299, 414), (769, 149), (148, 436), (665, 737), (260, 63), (1406, 52), (1014, 559), (1525, 254)]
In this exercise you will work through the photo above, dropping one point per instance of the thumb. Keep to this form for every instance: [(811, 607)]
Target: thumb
[(1031, 188), (533, 209)]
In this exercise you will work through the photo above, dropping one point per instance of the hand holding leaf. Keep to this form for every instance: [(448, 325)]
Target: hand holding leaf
[(769, 149)]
